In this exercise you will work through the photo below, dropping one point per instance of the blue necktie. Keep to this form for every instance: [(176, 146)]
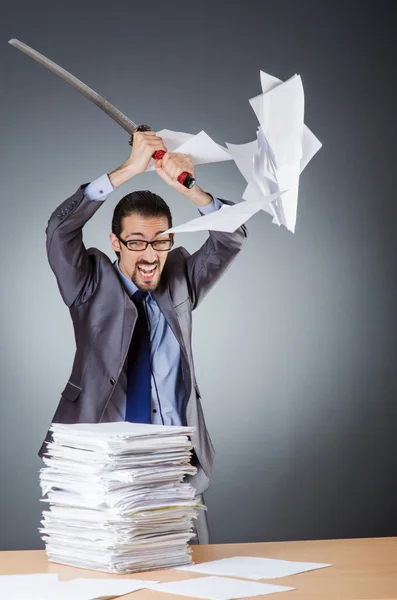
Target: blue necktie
[(138, 373)]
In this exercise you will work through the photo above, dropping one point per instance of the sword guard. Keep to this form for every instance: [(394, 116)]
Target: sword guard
[(139, 128), (184, 178)]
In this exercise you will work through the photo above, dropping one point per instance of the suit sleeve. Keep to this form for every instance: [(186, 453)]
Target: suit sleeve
[(66, 252), (211, 261)]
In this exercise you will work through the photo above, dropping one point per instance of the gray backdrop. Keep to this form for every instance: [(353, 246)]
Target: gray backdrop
[(296, 346)]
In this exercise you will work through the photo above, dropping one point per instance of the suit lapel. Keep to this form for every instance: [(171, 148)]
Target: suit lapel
[(130, 316), (163, 299)]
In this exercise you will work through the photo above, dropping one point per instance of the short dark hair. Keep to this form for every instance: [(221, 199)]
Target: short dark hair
[(143, 202)]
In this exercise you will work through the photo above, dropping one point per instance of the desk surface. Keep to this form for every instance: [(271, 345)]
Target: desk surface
[(364, 569)]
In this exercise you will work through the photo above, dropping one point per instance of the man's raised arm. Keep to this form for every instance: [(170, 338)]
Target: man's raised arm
[(66, 252), (209, 262)]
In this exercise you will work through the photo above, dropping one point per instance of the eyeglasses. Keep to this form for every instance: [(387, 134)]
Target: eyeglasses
[(140, 245)]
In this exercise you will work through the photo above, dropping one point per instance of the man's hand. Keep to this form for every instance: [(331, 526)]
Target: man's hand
[(144, 146), (171, 166)]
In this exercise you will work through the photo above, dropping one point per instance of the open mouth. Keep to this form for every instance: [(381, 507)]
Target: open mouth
[(147, 273)]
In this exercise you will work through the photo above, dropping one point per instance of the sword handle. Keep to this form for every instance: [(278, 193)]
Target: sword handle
[(185, 178)]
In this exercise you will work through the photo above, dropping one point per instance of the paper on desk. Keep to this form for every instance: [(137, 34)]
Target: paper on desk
[(283, 147), (27, 587), (228, 218), (93, 589), (201, 148), (48, 587), (253, 567), (219, 588)]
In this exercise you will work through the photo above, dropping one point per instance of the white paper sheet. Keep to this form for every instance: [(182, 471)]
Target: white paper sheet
[(253, 567), (49, 587), (90, 589), (271, 164), (283, 148), (27, 587), (201, 148), (228, 218), (219, 588), (310, 143), (280, 114)]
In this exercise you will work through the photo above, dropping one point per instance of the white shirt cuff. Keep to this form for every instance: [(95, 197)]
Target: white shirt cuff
[(99, 189), (214, 206)]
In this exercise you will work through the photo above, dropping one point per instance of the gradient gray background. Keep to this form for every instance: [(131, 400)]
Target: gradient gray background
[(296, 346)]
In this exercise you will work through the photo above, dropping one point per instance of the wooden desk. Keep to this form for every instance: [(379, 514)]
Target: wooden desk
[(363, 568)]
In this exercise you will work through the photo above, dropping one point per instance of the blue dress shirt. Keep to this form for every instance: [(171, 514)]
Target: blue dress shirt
[(167, 389)]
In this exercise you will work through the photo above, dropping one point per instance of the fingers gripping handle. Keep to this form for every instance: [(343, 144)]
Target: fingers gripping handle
[(184, 178)]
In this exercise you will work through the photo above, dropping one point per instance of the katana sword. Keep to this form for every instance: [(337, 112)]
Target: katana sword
[(184, 178)]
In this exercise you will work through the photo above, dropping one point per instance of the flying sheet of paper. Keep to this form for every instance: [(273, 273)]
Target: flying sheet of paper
[(48, 587), (253, 567), (219, 588), (201, 148), (228, 218), (310, 143), (283, 148), (271, 164)]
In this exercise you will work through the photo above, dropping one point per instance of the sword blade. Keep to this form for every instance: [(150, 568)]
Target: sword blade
[(81, 87)]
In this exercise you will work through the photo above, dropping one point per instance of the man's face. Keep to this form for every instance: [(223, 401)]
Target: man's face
[(143, 267)]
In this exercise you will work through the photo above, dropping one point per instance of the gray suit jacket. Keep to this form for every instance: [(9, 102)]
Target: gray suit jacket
[(104, 317)]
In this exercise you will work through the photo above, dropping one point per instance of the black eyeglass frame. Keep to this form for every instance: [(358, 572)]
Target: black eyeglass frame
[(171, 240)]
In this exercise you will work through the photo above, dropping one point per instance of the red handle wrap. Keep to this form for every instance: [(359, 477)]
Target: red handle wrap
[(182, 177), (158, 154)]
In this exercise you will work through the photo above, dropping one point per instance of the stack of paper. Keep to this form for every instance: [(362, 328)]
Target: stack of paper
[(117, 498)]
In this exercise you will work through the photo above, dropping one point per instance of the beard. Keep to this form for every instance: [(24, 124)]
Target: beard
[(145, 280)]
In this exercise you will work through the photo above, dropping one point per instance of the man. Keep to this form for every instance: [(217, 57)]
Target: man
[(133, 319)]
